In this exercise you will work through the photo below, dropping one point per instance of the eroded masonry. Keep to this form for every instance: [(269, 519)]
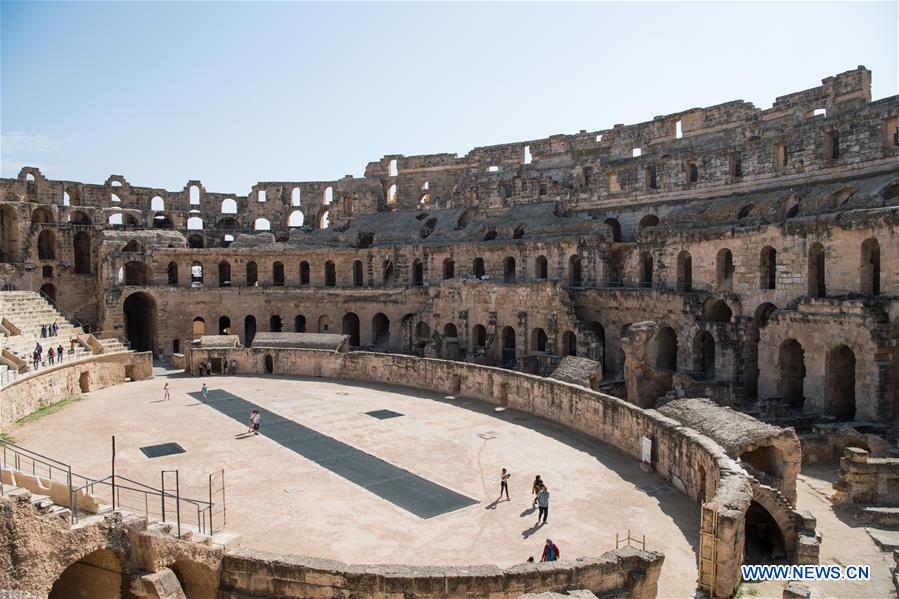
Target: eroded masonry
[(744, 255)]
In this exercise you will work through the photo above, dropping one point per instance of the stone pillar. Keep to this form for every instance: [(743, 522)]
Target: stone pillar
[(162, 584)]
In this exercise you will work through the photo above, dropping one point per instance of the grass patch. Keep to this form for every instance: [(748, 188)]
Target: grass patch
[(47, 410), (7, 438)]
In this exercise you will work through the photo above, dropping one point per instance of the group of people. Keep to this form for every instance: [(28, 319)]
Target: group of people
[(49, 330), (54, 355), (541, 501), (205, 368)]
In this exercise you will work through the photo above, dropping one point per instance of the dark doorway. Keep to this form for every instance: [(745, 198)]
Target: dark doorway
[(792, 373), (351, 328), (140, 321), (82, 247), (224, 325), (249, 330), (49, 289), (840, 383), (764, 541), (274, 323), (380, 331), (269, 364), (299, 324), (508, 355)]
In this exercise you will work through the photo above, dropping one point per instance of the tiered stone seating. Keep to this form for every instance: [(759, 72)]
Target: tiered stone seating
[(28, 311)]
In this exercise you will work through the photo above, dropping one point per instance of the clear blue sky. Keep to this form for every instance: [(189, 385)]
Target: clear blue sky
[(234, 93)]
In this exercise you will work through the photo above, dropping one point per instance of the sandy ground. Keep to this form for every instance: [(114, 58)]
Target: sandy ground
[(279, 501)]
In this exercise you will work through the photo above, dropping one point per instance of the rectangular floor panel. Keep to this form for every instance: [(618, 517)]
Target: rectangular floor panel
[(400, 487)]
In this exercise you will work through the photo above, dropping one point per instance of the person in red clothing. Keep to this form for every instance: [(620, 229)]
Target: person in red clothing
[(550, 552)]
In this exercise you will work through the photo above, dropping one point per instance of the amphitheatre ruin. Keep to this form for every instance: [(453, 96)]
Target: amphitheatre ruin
[(689, 327)]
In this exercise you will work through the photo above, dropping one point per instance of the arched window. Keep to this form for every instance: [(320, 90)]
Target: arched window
[(41, 216), (229, 206), (195, 241), (538, 340), (299, 324), (391, 195), (328, 196), (172, 273), (417, 273), (295, 219), (324, 220), (46, 245), (477, 267), (351, 328), (509, 269), (615, 228), (817, 285), (115, 218), (870, 267), (569, 343), (666, 349), (684, 271), (791, 362), (724, 270), (194, 195), (304, 273), (195, 223), (387, 273), (508, 346), (646, 267), (650, 220), (717, 310), (704, 354), (278, 274), (295, 196), (157, 204), (196, 273), (249, 330), (82, 249), (357, 273), (449, 268), (252, 274), (840, 383), (767, 268), (330, 274), (479, 336), (574, 271), (262, 224), (541, 269), (274, 323), (224, 325), (380, 331)]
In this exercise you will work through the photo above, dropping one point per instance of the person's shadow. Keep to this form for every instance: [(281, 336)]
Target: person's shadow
[(528, 512), (496, 502), (529, 531)]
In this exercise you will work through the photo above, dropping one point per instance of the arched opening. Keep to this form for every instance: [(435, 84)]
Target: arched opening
[(304, 273), (49, 289), (751, 348), (509, 269), (47, 271), (600, 333), (422, 335), (172, 273), (666, 349), (449, 268), (569, 343), (479, 336), (574, 271), (82, 248), (134, 247), (767, 459), (477, 268), (684, 271), (41, 216), (278, 274), (249, 330), (229, 206), (704, 355), (269, 364), (724, 269), (295, 219), (538, 340), (135, 273), (262, 224), (615, 228), (224, 325), (380, 331), (195, 241), (140, 321), (98, 574), (870, 268), (717, 311), (646, 266), (196, 275), (80, 218), (46, 245), (541, 267), (351, 328), (490, 235), (324, 220), (197, 581), (508, 351), (252, 274), (330, 274), (764, 542), (132, 221), (840, 383), (176, 346), (767, 268), (162, 221), (387, 273), (357, 273), (198, 327), (157, 204), (224, 273), (817, 284), (274, 323), (650, 220), (791, 362), (417, 273), (299, 324)]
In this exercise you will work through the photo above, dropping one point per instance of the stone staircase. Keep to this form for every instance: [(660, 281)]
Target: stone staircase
[(22, 313)]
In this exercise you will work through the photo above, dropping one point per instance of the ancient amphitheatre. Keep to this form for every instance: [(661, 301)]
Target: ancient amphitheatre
[(688, 326)]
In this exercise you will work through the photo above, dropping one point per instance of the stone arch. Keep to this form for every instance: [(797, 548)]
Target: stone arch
[(304, 273), (666, 349), (274, 323), (541, 268), (357, 273), (508, 355), (380, 330), (41, 216), (46, 245), (650, 220), (350, 326), (791, 363), (615, 228), (840, 367), (278, 274), (198, 581), (569, 343), (869, 272), (418, 273), (817, 283), (140, 321), (82, 250), (269, 364), (195, 241), (538, 340), (136, 273), (575, 278), (449, 268), (477, 267), (97, 574), (224, 325), (763, 537), (252, 273), (509, 269), (198, 327), (704, 354), (646, 269), (249, 330), (224, 273), (172, 273), (330, 274), (299, 324), (724, 269), (716, 310)]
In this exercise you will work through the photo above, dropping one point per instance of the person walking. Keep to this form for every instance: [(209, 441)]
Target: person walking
[(43, 330), (72, 342), (50, 355), (205, 391), (36, 359), (55, 329), (550, 552), (59, 353), (538, 484), (167, 394), (255, 420), (39, 349), (209, 367), (233, 366), (543, 504), (504, 483)]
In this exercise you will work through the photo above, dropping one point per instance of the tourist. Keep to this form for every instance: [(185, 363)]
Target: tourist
[(504, 484), (538, 484), (209, 368), (224, 367), (55, 329), (50, 355), (233, 366), (167, 392), (543, 503), (205, 391), (43, 330), (39, 350), (59, 353), (550, 552), (72, 342), (36, 359), (255, 419)]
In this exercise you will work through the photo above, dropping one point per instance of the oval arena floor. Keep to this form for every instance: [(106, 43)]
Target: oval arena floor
[(288, 498)]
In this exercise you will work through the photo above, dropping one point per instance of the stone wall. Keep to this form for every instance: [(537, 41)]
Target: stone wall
[(55, 383), (866, 480)]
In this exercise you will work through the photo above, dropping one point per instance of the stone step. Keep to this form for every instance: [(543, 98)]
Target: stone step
[(878, 515), (887, 540)]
